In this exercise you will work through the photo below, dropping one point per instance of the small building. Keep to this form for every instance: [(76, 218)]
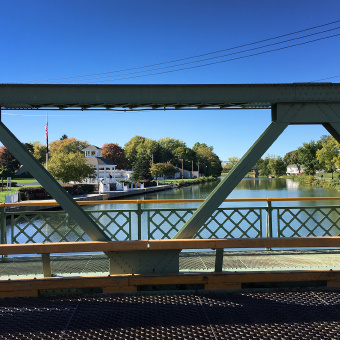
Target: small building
[(105, 170), (293, 169)]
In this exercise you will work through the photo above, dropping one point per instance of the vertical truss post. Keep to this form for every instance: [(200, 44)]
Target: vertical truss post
[(46, 261), (51, 185), (227, 185), (219, 260), (269, 224)]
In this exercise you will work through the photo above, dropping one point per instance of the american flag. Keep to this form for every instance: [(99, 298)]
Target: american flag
[(46, 129)]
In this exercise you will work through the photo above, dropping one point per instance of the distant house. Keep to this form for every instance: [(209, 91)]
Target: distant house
[(293, 169), (186, 174), (105, 171), (104, 168)]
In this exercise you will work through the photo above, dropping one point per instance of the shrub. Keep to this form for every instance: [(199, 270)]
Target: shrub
[(33, 193)]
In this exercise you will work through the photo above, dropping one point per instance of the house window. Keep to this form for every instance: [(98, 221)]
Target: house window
[(87, 153), (93, 153)]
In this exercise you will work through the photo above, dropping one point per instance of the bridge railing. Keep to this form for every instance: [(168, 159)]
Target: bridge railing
[(154, 219)]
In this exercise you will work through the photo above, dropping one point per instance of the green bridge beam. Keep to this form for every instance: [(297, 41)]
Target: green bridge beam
[(298, 103), (51, 185), (82, 97)]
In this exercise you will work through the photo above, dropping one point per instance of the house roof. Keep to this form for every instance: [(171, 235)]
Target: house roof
[(98, 161), (91, 147)]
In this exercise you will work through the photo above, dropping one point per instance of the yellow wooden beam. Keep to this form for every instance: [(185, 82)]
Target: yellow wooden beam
[(130, 283), (173, 244), (72, 247)]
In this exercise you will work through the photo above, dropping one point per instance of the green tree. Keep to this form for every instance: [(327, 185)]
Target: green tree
[(276, 165), (115, 154), (209, 160), (185, 153), (231, 162), (162, 169), (328, 155), (308, 158), (39, 151), (29, 147), (262, 165), (291, 157), (167, 147), (67, 145), (139, 144), (141, 168), (68, 167)]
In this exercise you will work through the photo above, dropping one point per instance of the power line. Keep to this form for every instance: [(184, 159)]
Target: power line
[(222, 56), (197, 56), (228, 60)]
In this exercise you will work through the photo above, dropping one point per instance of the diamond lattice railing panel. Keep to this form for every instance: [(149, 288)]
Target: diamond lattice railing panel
[(45, 227), (116, 224), (233, 223), (164, 224), (307, 221)]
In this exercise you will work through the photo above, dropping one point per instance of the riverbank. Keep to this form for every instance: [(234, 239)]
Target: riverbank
[(109, 195), (190, 181), (318, 182)]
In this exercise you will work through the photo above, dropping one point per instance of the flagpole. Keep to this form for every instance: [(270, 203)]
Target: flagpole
[(46, 129)]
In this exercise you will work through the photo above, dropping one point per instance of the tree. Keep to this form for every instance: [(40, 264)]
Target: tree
[(67, 145), (167, 148), (211, 162), (162, 169), (8, 163), (292, 157), (276, 165), (29, 147), (262, 165), (185, 153), (141, 168), (139, 144), (39, 151), (63, 137), (115, 154), (328, 155), (308, 158), (70, 167), (232, 161)]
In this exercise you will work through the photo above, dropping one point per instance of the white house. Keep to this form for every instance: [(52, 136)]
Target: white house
[(104, 168), (106, 172), (292, 169)]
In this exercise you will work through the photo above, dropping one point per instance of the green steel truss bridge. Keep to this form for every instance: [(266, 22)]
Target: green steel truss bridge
[(297, 103)]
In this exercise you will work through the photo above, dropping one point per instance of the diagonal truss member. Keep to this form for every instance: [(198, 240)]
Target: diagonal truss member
[(283, 114), (65, 200)]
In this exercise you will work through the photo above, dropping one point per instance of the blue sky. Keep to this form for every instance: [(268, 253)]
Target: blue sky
[(53, 41)]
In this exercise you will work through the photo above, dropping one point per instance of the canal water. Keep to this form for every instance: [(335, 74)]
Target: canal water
[(55, 228), (247, 188)]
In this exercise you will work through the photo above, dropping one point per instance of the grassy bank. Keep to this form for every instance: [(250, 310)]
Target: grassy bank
[(327, 182), (189, 181)]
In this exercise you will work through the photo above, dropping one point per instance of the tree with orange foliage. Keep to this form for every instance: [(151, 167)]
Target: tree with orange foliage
[(67, 146), (115, 154)]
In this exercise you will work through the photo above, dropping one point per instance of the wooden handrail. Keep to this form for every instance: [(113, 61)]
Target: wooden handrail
[(284, 199), (178, 244)]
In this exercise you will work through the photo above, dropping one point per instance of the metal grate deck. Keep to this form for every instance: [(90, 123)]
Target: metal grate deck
[(275, 314), (92, 264)]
